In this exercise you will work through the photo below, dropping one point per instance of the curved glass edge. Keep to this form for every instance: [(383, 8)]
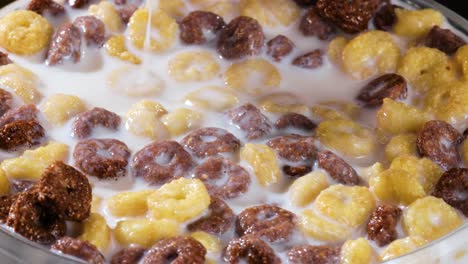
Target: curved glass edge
[(12, 252)]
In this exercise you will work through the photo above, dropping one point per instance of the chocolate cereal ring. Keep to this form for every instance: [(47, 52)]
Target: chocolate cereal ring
[(218, 221), (295, 120), (87, 121), (250, 249), (6, 101), (294, 148), (453, 188), (269, 221), (213, 169), (68, 188), (23, 113), (210, 141), (5, 205), (36, 220), (337, 168), (161, 162), (314, 254), (250, 120), (130, 255), (176, 250), (21, 133), (80, 249)]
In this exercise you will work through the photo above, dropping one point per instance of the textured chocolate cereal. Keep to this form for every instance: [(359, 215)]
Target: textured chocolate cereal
[(126, 12), (296, 171), (45, 6), (250, 249), (444, 40), (313, 25), (337, 168), (129, 255), (36, 220), (176, 250), (68, 188), (103, 158), (350, 16), (385, 18), (218, 221), (453, 188), (250, 119), (5, 205), (223, 178), (305, 2), (438, 141), (390, 85), (294, 148), (279, 47), (21, 133), (381, 227), (93, 29), (295, 120), (4, 59), (310, 60), (243, 36), (161, 162), (18, 186), (6, 102), (200, 27), (268, 221), (22, 113), (87, 121), (306, 254), (209, 141), (80, 249), (78, 3), (65, 45)]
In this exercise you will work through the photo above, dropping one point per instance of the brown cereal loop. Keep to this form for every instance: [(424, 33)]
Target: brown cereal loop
[(21, 133), (381, 227), (313, 25), (214, 169), (5, 205), (36, 220), (78, 3), (453, 188), (103, 158), (218, 221), (279, 47), (80, 249), (305, 2), (386, 86), (314, 254), (269, 221), (22, 113), (68, 188), (199, 27), (176, 250), (93, 30), (209, 141), (438, 141), (385, 18), (161, 162), (350, 16), (45, 6), (87, 121), (251, 120), (18, 186), (243, 36), (6, 101), (310, 60), (126, 12), (337, 168), (250, 249), (296, 171), (295, 120), (294, 148), (65, 45), (444, 40), (130, 255), (4, 60)]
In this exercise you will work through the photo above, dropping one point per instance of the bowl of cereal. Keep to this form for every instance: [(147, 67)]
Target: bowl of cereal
[(203, 131)]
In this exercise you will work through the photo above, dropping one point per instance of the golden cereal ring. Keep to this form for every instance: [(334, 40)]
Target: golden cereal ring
[(116, 47), (283, 103), (59, 108), (357, 251), (271, 13), (370, 53), (400, 145), (226, 9), (181, 120), (396, 186), (305, 189), (321, 229), (24, 32), (210, 242), (349, 205), (262, 160), (144, 119), (144, 232), (426, 68), (174, 8), (193, 66), (253, 76), (461, 58), (402, 246), (416, 23), (96, 231), (22, 81), (346, 137), (135, 82), (4, 184), (107, 13), (203, 98), (179, 200), (160, 21), (96, 204), (335, 49), (129, 203)]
